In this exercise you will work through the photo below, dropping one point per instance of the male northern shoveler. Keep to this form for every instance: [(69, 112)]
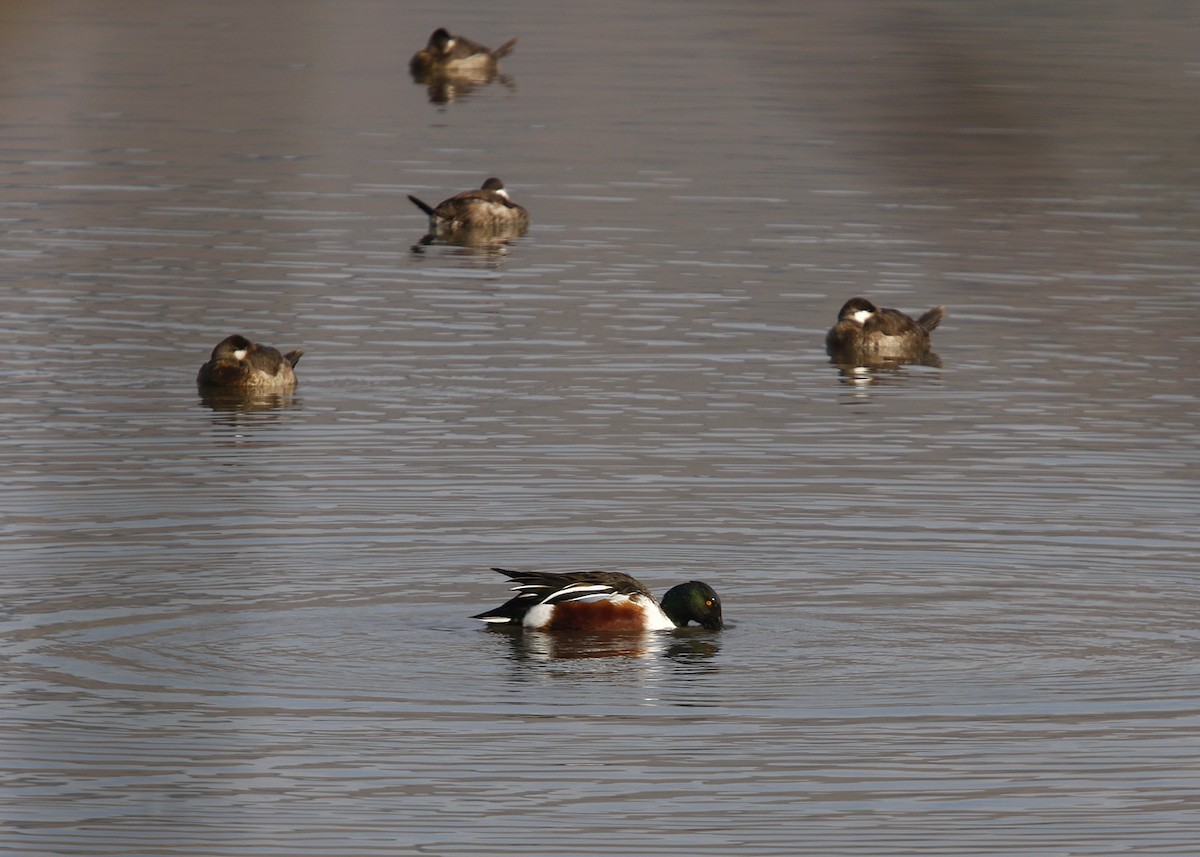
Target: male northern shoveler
[(864, 333), (602, 601), (239, 364), (447, 54), (487, 210)]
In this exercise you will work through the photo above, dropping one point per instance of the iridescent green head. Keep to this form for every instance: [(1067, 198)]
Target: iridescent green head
[(693, 602)]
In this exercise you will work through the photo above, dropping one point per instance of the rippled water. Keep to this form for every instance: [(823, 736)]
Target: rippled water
[(962, 599)]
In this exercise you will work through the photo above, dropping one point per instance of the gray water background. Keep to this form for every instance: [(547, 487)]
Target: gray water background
[(962, 600)]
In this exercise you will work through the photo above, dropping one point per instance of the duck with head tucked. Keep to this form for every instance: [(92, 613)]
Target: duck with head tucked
[(867, 334), (601, 602), (489, 211), (239, 364), (445, 54)]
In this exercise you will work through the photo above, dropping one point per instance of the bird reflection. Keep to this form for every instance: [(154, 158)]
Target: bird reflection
[(444, 88), (881, 369), (693, 647), (485, 246), (862, 378), (245, 401), (238, 414), (686, 645)]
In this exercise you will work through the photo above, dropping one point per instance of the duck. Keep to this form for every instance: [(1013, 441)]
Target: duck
[(865, 333), (487, 210), (601, 602), (239, 364), (447, 54)]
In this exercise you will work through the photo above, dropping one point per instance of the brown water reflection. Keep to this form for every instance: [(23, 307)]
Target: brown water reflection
[(447, 88), (686, 645), (862, 378)]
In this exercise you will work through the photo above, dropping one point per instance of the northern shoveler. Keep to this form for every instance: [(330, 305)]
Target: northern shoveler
[(602, 601), (447, 54), (239, 364), (864, 333), (487, 210)]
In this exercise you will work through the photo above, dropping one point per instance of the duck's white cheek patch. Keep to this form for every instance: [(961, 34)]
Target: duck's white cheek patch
[(862, 315), (240, 354)]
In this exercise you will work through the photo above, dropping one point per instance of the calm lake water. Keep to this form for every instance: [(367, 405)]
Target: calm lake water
[(962, 599)]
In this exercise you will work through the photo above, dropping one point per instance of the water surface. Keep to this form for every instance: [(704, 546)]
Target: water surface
[(962, 599)]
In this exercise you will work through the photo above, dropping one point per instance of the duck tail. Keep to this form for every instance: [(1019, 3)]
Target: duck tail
[(428, 209), (294, 356), (512, 611), (505, 49), (931, 318)]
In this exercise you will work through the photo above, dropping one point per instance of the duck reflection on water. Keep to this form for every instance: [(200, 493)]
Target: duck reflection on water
[(685, 645), (245, 401)]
